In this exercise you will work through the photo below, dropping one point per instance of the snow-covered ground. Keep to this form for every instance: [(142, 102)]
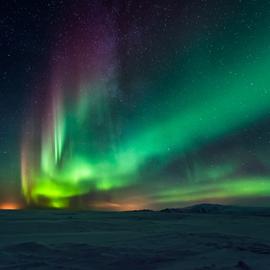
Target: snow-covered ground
[(135, 240)]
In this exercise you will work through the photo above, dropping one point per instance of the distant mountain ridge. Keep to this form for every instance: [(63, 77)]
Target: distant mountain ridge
[(206, 208)]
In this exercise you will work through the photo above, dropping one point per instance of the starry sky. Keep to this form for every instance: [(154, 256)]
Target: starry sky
[(122, 105)]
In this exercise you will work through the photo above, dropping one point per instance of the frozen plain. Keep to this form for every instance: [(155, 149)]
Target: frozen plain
[(197, 240)]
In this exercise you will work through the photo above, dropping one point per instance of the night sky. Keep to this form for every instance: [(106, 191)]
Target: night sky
[(125, 105)]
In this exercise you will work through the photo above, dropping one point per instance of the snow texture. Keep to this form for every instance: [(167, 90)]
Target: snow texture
[(203, 237)]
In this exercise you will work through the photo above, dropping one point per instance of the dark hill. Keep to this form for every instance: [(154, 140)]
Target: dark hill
[(206, 208)]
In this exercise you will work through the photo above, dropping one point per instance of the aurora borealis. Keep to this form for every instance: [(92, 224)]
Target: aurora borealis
[(142, 105)]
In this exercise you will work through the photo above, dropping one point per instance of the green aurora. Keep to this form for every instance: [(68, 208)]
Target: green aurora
[(90, 142)]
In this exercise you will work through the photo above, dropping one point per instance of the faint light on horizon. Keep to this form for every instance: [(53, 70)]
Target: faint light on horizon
[(122, 206)]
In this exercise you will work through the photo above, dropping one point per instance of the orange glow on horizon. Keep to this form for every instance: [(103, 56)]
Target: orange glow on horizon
[(9, 206)]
